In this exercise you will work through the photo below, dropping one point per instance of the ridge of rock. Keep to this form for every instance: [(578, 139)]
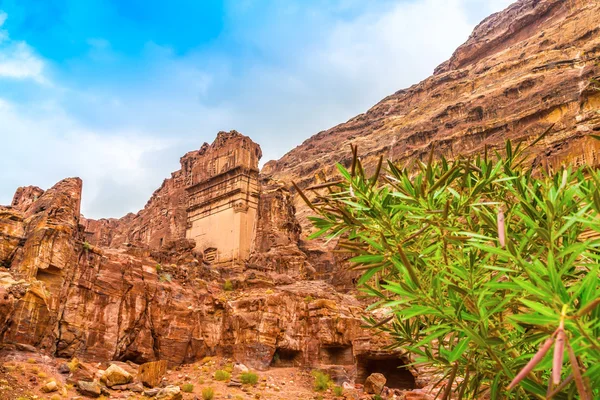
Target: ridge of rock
[(522, 71)]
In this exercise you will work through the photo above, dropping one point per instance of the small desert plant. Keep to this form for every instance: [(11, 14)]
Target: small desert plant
[(228, 368), (87, 246), (187, 388), (249, 378), (31, 361), (222, 375), (165, 277), (208, 393), (228, 286), (206, 360), (338, 391), (308, 299), (321, 382), (73, 364), (377, 397), (158, 268)]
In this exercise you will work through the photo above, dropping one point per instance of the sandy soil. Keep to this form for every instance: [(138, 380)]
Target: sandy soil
[(22, 376)]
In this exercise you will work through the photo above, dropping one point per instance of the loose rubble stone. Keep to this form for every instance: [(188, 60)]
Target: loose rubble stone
[(115, 375), (375, 383), (239, 368), (90, 389), (151, 392), (151, 373), (64, 369), (50, 387), (169, 393)]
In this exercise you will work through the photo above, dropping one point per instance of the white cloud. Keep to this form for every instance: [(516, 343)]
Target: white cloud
[(17, 59), (294, 72), (47, 146), (351, 65)]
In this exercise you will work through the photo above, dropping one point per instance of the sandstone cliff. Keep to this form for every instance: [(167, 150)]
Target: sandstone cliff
[(521, 71), (68, 298), (136, 290)]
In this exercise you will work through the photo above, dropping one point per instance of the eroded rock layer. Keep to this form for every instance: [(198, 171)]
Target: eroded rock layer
[(522, 71), (69, 298)]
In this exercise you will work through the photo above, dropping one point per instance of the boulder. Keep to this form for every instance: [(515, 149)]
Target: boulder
[(89, 389), (64, 369), (115, 375), (169, 393), (375, 383), (50, 387), (151, 392), (81, 372), (239, 368), (151, 373), (133, 387)]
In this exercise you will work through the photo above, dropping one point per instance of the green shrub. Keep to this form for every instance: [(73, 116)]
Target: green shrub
[(308, 299), (87, 246), (480, 260), (228, 286), (377, 397), (228, 368), (208, 393), (249, 378), (187, 388), (338, 391), (222, 375), (158, 268), (73, 364), (321, 382)]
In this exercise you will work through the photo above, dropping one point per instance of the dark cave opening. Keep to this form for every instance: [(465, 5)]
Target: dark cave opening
[(336, 355), (51, 276), (395, 371), (284, 358), (134, 356)]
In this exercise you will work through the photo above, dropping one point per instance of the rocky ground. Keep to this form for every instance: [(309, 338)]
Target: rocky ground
[(28, 375)]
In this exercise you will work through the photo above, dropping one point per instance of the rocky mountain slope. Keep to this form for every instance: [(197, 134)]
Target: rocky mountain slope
[(521, 71), (136, 290)]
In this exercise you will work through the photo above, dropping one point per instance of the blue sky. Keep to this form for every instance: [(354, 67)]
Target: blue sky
[(115, 91)]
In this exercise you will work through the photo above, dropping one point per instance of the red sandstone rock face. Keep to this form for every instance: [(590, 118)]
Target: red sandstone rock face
[(69, 298), (163, 219), (521, 71), (25, 196)]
